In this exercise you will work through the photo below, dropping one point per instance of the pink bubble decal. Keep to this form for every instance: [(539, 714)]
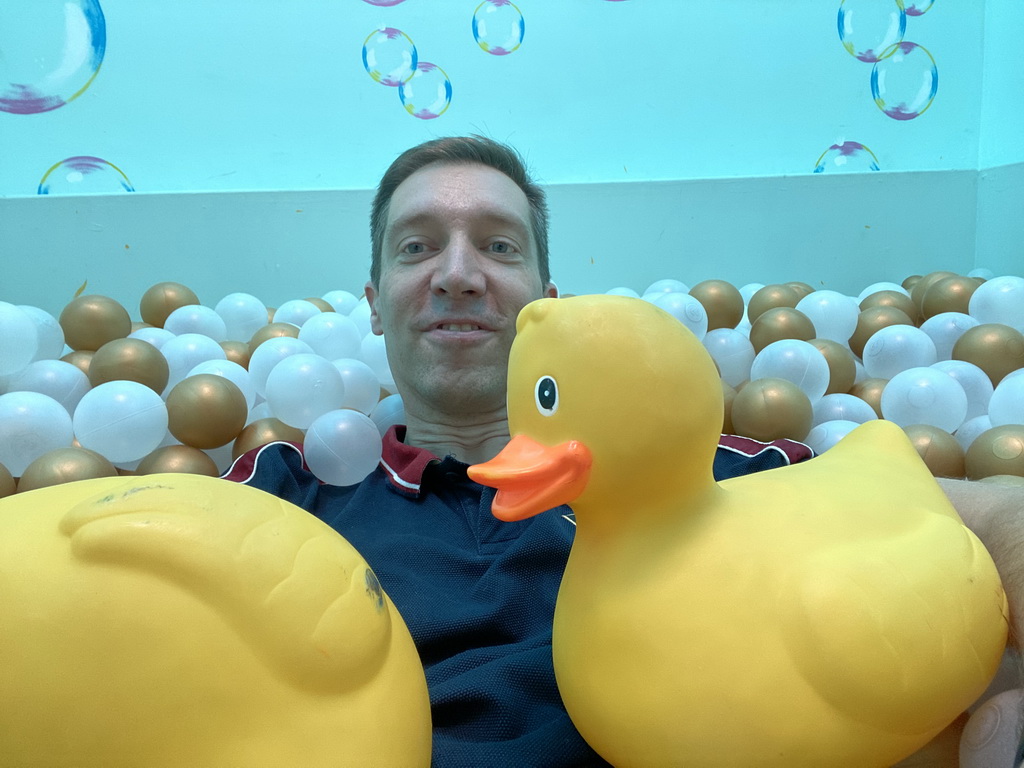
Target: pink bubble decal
[(389, 56), (868, 29), (904, 83), (428, 93), (50, 53), (848, 157), (84, 174), (498, 27)]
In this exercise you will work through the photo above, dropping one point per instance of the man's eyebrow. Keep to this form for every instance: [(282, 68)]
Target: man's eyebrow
[(488, 215)]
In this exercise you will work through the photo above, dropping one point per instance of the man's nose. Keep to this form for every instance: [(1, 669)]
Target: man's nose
[(459, 271)]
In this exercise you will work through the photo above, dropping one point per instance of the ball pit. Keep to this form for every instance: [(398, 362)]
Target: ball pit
[(97, 356)]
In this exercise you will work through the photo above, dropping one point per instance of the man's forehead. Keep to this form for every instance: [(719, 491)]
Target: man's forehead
[(442, 190)]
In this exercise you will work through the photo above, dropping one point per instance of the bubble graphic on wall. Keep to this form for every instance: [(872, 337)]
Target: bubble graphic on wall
[(498, 27), (848, 157), (384, 3), (50, 52), (916, 7), (903, 85), (389, 56), (868, 29), (84, 175), (427, 93)]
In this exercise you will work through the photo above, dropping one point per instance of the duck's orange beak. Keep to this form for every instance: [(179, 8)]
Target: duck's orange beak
[(531, 477)]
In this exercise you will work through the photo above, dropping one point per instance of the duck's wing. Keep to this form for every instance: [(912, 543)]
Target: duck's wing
[(293, 589), (902, 633)]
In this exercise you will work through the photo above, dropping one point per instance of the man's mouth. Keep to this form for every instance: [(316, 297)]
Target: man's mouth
[(459, 327)]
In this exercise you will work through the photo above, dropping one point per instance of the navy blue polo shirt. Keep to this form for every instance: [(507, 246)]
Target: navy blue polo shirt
[(477, 594)]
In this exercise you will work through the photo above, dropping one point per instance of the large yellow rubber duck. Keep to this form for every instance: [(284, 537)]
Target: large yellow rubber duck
[(179, 620), (832, 613)]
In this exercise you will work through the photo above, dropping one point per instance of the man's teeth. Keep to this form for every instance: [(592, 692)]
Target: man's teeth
[(459, 327)]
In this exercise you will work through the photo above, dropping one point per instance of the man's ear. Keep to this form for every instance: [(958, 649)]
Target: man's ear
[(372, 299), (550, 291)]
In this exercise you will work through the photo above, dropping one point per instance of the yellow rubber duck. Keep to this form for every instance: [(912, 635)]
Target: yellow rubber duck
[(832, 613), (179, 620)]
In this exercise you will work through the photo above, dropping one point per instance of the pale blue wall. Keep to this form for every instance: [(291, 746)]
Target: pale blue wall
[(1002, 115), (677, 137)]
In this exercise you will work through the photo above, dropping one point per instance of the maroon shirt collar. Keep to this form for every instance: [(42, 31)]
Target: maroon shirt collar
[(404, 464)]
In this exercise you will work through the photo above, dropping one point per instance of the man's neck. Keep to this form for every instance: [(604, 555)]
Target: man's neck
[(471, 443)]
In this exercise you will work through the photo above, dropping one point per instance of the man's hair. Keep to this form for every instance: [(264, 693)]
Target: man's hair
[(460, 150)]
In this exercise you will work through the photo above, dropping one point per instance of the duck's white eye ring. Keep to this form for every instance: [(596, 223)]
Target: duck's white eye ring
[(545, 394)]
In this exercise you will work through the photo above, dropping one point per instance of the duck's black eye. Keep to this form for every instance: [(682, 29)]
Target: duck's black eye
[(546, 395)]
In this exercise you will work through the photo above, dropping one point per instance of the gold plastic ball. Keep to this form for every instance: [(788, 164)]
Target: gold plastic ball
[(998, 451), (769, 409), (179, 459), (721, 300), (163, 298), (206, 411), (938, 449), (129, 360), (64, 465), (89, 322)]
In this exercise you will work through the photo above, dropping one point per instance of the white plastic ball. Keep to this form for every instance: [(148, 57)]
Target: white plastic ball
[(982, 272), (878, 288), (19, 339), (152, 335), (833, 314), (342, 447), (970, 430), (342, 301), (243, 314), (270, 353), (50, 334), (623, 291), (362, 387), (1007, 403), (373, 353), (64, 382), (132, 464), (976, 383), (195, 318), (331, 335), (296, 312), (684, 308), (924, 396), (999, 300), (796, 361), (31, 424), (360, 315), (991, 736), (122, 420), (945, 328), (897, 348), (733, 353), (842, 407), (667, 285), (827, 434), (302, 388), (233, 372), (388, 413), (185, 352)]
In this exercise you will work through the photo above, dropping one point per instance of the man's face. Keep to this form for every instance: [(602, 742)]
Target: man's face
[(458, 263)]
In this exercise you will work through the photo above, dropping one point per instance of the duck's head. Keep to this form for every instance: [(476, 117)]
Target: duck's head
[(610, 400)]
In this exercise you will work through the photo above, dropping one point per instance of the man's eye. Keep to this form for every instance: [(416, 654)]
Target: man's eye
[(501, 247), (414, 248)]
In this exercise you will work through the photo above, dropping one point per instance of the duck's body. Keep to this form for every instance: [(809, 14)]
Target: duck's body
[(836, 612), (179, 620)]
